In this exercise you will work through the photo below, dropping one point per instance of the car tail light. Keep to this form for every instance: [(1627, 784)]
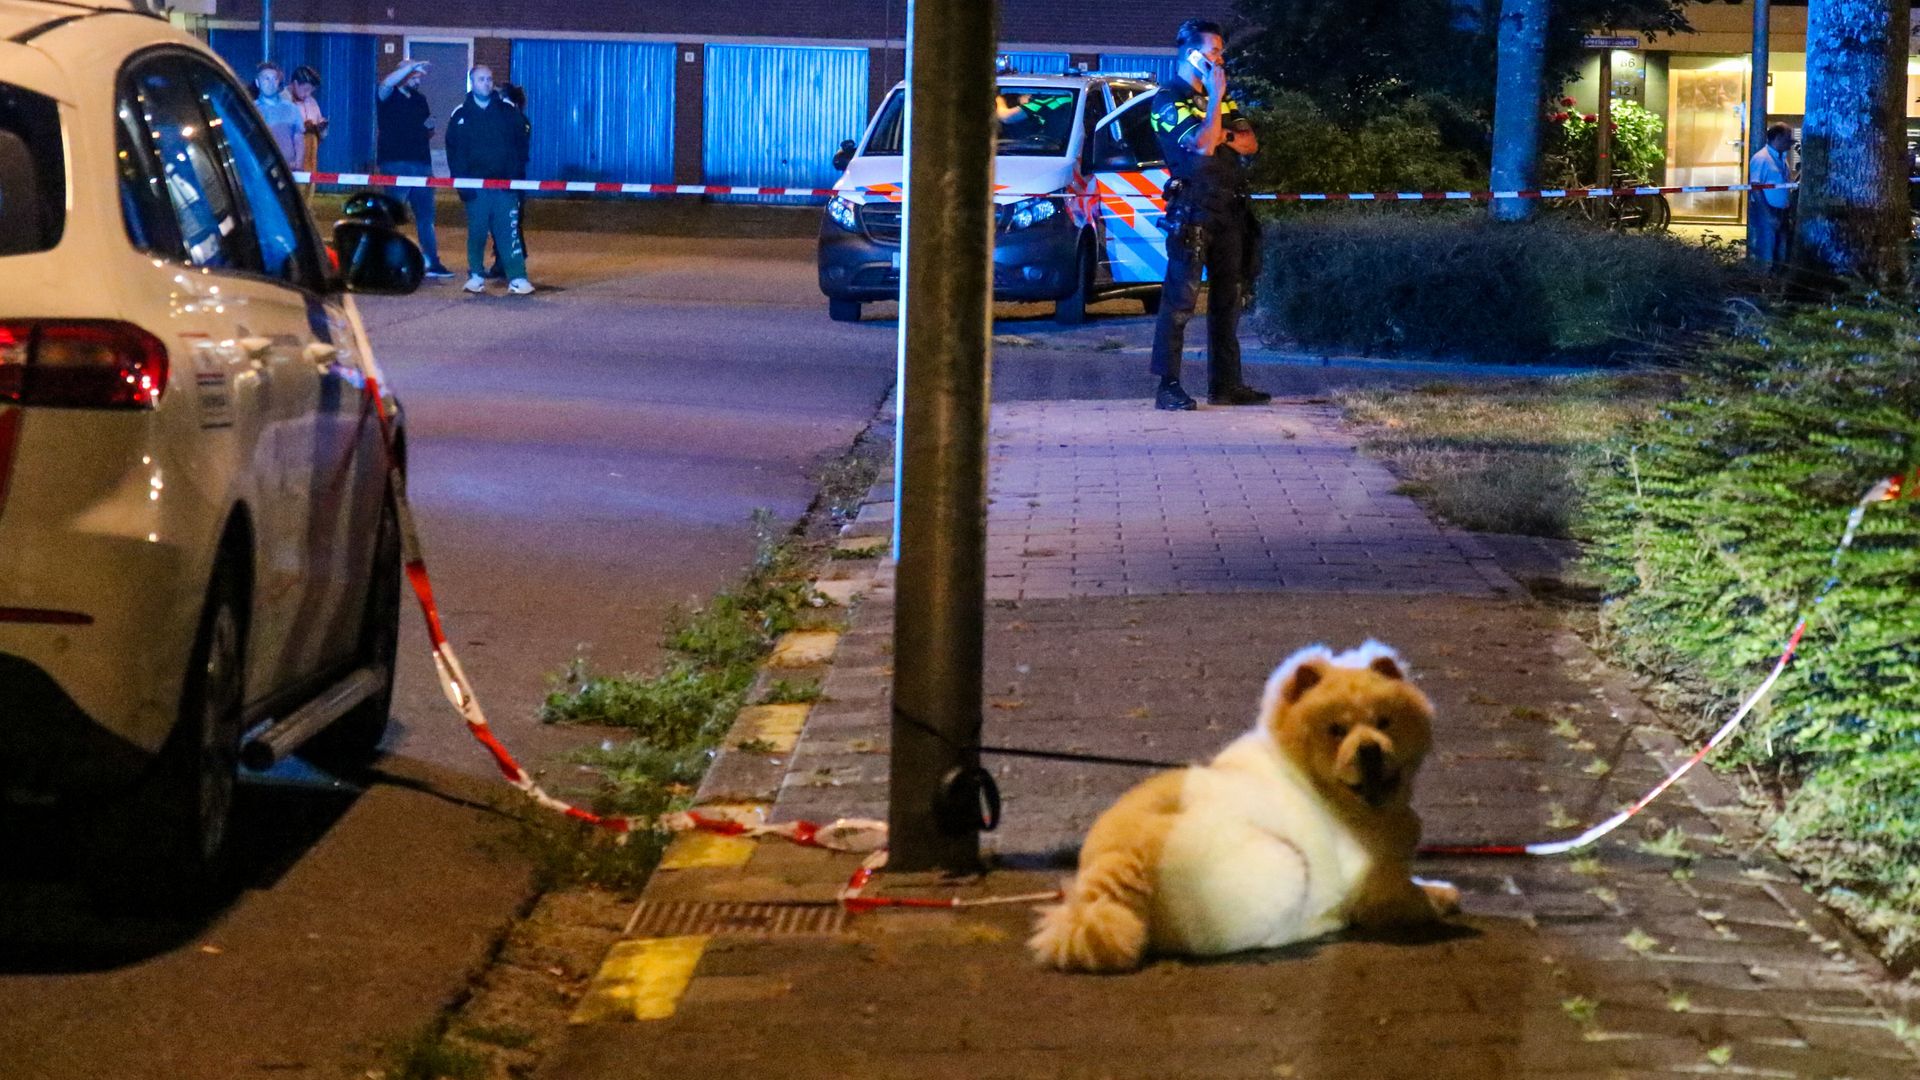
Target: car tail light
[(80, 364)]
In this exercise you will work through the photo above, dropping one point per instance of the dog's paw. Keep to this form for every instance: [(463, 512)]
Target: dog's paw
[(1444, 896)]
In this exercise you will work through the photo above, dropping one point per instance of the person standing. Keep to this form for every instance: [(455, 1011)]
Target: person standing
[(488, 138), (1769, 208), (1209, 220), (304, 87), (403, 148), (283, 118), (517, 95)]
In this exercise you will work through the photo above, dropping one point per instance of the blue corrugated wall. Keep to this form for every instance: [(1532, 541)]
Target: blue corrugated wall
[(601, 110), (346, 66), (775, 114), (1160, 64), (1039, 63)]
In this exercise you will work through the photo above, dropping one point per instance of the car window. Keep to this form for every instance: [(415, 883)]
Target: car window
[(1127, 141), (177, 134), (1034, 121), (144, 208), (284, 245), (33, 172), (1136, 128)]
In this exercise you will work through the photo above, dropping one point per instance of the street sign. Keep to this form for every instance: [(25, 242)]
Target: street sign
[(1622, 42)]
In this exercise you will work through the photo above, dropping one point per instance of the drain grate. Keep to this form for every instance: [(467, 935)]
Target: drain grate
[(674, 918)]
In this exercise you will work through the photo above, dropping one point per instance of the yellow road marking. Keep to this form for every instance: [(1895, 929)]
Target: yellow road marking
[(776, 725), (691, 850), (804, 648), (642, 980)]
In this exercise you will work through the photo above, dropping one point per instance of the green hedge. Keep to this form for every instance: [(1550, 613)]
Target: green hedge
[(1714, 522), (1399, 147), (1457, 284)]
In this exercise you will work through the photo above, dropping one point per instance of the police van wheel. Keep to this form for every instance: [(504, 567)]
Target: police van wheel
[(1071, 310), (1151, 302), (843, 310)]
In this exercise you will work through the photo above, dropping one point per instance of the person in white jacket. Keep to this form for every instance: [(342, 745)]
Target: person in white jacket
[(1768, 208)]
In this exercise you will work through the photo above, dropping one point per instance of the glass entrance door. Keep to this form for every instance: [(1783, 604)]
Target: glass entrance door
[(1706, 135)]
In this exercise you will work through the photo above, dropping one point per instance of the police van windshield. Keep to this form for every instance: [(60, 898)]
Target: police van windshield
[(1034, 121)]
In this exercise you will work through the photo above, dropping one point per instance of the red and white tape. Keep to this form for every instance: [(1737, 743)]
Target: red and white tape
[(1884, 491), (594, 187), (866, 835)]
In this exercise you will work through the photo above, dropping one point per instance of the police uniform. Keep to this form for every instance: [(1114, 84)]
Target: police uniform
[(1211, 228)]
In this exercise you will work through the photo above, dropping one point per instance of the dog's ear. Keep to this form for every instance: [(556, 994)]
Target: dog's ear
[(1375, 657), (1296, 675)]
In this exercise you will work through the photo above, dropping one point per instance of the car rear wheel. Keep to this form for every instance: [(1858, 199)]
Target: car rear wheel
[(1071, 310), (353, 741), (164, 844), (844, 310)]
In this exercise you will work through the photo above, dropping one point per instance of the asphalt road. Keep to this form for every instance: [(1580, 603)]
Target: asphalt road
[(581, 461)]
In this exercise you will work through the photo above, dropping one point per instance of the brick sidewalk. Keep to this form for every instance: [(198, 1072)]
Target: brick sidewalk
[(1114, 533)]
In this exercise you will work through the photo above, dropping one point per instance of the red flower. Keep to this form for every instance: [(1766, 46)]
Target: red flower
[(1559, 117), (1590, 118), (1566, 101)]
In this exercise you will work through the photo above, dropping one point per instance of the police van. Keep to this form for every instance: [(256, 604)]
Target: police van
[(1079, 186)]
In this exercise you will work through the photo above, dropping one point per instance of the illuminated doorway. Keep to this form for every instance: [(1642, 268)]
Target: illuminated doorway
[(1706, 134)]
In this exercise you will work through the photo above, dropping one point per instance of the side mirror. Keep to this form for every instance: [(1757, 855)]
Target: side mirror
[(376, 207), (847, 149), (376, 259)]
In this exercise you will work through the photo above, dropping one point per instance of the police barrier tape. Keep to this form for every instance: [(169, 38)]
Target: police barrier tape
[(865, 835), (895, 191)]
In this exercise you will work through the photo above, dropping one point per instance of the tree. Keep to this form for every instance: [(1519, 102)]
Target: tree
[(1852, 218), (1522, 46)]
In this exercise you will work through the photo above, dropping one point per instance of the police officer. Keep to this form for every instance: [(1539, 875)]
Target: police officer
[(1209, 221)]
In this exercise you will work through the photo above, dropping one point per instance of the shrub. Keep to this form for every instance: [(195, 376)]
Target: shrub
[(1459, 284), (1715, 522), (1398, 147), (1639, 146)]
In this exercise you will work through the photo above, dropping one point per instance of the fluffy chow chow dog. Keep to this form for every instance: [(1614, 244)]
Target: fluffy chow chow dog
[(1300, 827)]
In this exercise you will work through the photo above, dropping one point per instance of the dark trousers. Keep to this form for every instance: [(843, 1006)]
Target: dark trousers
[(495, 214), (498, 269), (421, 201), (1218, 247), (1772, 229)]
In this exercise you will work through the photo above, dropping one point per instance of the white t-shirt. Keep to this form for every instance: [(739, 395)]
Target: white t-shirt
[(1769, 166), (285, 123)]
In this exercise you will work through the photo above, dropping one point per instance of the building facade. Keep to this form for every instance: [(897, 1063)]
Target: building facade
[(1701, 86), (757, 92)]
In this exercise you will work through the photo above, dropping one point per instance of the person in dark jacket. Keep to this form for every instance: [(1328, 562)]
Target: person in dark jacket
[(404, 148), (488, 138), (517, 95)]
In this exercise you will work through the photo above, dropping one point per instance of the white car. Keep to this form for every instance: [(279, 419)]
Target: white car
[(198, 543), (1079, 189)]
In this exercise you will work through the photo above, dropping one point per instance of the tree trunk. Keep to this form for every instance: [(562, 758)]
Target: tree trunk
[(1852, 218), (1522, 55)]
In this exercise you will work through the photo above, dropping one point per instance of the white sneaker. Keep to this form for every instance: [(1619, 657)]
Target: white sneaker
[(475, 283), (519, 286)]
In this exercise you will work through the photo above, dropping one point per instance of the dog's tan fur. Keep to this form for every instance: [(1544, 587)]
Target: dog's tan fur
[(1321, 789)]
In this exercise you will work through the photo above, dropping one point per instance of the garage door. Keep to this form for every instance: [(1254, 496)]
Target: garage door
[(601, 110), (775, 114)]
